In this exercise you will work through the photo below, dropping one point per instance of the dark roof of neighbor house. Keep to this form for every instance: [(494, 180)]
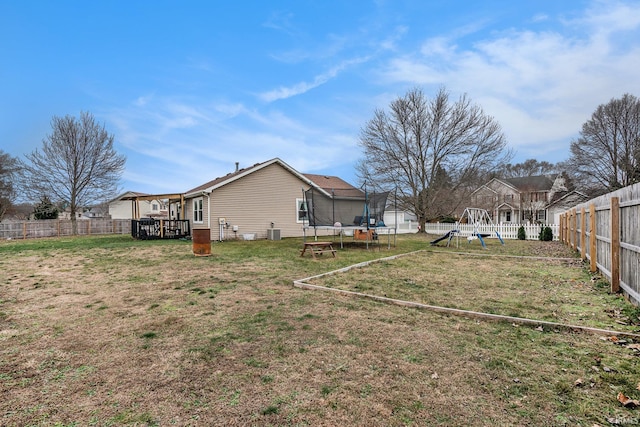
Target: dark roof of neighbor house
[(336, 186), (531, 183), (578, 197)]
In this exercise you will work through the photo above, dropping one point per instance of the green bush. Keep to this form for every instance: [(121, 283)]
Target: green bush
[(546, 234), (522, 235)]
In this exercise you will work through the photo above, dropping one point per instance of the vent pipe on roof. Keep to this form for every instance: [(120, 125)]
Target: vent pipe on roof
[(237, 166)]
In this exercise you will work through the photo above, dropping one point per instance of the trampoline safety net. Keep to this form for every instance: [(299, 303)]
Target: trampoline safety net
[(322, 210)]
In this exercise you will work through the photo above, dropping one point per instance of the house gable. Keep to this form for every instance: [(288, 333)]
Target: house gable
[(241, 173)]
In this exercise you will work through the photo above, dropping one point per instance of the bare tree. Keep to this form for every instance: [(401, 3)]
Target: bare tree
[(431, 150), (606, 155), (77, 165), (530, 167), (8, 168)]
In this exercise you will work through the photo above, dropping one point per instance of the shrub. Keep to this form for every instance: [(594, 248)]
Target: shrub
[(546, 234), (522, 235)]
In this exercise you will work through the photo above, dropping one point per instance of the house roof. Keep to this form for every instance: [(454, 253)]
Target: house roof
[(144, 196), (127, 195), (233, 176), (336, 186), (531, 183), (579, 195)]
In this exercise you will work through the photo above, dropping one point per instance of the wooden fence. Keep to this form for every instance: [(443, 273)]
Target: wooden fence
[(62, 227), (506, 231), (606, 231)]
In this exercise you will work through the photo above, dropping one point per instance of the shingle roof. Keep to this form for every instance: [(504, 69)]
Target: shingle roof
[(329, 184), (336, 186), (531, 183)]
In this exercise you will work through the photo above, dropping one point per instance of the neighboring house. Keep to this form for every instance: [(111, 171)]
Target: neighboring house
[(532, 199), (100, 211), (66, 214), (563, 204), (129, 205), (249, 202), (95, 212)]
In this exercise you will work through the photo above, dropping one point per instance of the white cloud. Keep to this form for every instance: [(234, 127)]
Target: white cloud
[(540, 17), (541, 86), (195, 143), (302, 87)]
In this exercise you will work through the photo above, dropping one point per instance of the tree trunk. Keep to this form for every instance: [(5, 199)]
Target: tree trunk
[(74, 224)]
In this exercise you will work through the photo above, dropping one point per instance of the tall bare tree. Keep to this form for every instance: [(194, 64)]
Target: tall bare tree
[(530, 167), (419, 141), (76, 165), (8, 168), (606, 155)]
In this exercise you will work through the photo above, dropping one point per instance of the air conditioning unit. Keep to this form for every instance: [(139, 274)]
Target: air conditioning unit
[(273, 233)]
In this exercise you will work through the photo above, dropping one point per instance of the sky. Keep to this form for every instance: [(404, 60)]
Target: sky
[(190, 88)]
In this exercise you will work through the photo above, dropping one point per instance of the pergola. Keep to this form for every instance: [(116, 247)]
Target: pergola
[(171, 197)]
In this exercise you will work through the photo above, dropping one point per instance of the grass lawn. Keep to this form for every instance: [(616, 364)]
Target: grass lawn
[(111, 331)]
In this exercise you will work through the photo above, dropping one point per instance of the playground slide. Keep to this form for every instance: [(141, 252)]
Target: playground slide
[(446, 236)]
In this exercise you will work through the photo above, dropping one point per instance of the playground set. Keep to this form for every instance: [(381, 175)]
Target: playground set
[(483, 227)]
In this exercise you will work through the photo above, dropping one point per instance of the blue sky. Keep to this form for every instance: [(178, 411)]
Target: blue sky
[(189, 88)]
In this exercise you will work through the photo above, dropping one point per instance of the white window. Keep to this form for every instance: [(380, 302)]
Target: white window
[(302, 210), (197, 210), (154, 207)]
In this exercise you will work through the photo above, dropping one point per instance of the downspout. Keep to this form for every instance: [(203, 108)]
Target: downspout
[(208, 209)]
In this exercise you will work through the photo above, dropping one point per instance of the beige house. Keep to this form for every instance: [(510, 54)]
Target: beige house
[(258, 202), (532, 199)]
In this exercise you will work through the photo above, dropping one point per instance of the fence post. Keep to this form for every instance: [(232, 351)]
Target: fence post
[(593, 240), (583, 234), (560, 228), (569, 229), (572, 229), (615, 244), (575, 229)]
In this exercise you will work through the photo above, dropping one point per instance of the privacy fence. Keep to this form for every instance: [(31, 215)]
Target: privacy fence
[(606, 231), (506, 231), (62, 227)]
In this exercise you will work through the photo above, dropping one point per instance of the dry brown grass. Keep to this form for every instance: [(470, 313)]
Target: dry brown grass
[(134, 333)]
